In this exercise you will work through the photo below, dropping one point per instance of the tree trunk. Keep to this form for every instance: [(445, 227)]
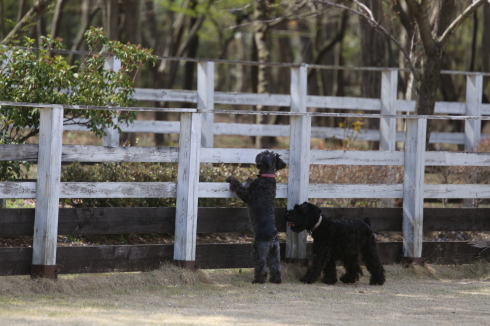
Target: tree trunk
[(373, 50), (260, 28), (2, 22), (485, 41), (429, 79), (55, 25), (111, 19), (132, 31), (87, 15)]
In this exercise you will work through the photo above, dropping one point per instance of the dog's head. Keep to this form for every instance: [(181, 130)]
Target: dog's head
[(269, 162), (303, 217)]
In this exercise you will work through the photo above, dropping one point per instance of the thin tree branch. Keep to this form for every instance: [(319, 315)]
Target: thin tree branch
[(30, 17), (375, 24), (455, 24)]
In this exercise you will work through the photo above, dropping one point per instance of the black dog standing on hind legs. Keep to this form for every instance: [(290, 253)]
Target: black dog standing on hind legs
[(333, 240), (259, 195)]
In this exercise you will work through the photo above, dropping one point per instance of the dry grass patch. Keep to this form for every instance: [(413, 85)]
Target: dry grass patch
[(435, 295)]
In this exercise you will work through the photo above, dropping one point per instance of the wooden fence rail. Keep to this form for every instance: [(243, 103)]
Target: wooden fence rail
[(388, 104), (192, 151)]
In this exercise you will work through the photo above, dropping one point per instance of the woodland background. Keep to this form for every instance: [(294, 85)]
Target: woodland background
[(239, 32)]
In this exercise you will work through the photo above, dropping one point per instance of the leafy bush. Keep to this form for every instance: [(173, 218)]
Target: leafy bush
[(43, 76)]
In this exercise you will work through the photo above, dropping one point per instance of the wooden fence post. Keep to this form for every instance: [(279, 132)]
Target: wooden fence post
[(299, 160), (187, 190), (111, 137), (413, 189), (472, 128), (47, 194), (387, 126), (205, 100)]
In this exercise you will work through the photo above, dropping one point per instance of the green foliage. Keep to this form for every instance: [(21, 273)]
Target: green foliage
[(42, 76)]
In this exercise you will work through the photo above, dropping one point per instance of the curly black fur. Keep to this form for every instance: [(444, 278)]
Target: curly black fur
[(334, 240), (259, 195)]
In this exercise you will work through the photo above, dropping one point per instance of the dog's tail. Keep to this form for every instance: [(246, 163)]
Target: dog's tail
[(367, 220)]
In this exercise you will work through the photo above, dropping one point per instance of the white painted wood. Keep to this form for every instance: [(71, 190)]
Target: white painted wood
[(246, 129), (187, 187), (471, 191), (252, 99), (346, 103), (112, 63), (236, 155), (3, 63), (18, 190), (242, 129), (457, 159), (343, 133), (164, 95), (118, 190), (205, 100), (472, 128), (299, 158), (157, 127), (222, 190), (387, 126), (27, 190), (413, 188), (48, 187), (111, 137), (343, 157), (88, 153), (327, 190)]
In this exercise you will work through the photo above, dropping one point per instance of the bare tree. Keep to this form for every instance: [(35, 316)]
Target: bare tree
[(433, 37)]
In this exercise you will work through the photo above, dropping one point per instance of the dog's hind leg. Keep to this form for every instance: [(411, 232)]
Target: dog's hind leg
[(260, 254), (373, 264), (353, 270), (330, 273), (274, 261)]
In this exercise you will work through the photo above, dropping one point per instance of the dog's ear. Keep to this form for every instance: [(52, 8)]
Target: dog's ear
[(280, 164), (318, 210), (258, 158)]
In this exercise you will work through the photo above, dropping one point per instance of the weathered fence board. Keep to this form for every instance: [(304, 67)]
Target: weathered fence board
[(134, 220), (96, 154), (413, 188), (106, 259), (47, 192), (222, 190), (299, 163)]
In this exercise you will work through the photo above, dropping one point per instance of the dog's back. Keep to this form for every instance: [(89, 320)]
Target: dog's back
[(261, 207)]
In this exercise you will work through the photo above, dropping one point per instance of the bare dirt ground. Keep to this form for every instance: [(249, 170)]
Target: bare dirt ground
[(417, 295)]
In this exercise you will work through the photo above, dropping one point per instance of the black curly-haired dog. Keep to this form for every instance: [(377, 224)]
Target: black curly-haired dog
[(259, 195), (333, 240)]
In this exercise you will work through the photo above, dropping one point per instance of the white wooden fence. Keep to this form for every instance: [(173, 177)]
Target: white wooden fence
[(388, 104), (194, 148)]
